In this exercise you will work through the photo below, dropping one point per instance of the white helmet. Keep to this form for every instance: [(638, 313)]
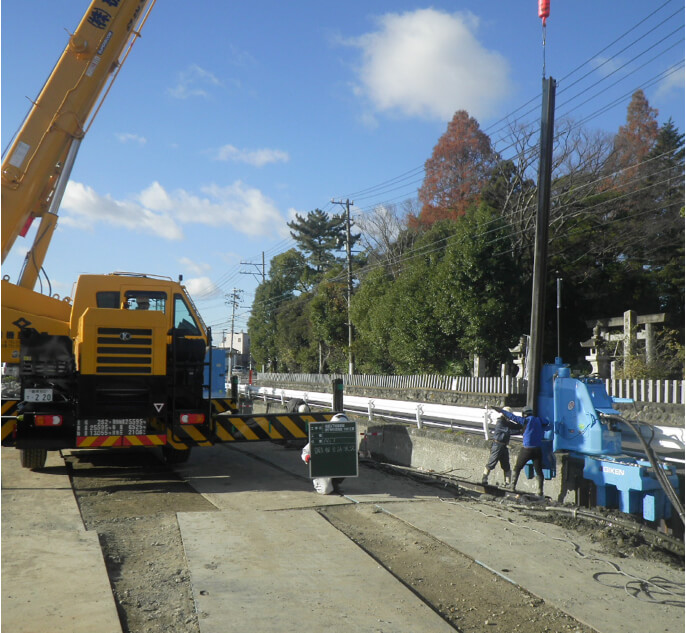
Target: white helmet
[(304, 408), (339, 417)]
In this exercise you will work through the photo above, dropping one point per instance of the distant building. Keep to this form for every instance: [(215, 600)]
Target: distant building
[(239, 348)]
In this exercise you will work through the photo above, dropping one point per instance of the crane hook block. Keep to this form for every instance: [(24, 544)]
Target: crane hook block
[(544, 10)]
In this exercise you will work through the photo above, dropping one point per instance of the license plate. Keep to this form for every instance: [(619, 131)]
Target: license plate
[(37, 395)]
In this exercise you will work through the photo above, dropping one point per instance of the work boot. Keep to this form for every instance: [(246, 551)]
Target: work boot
[(508, 477), (484, 479), (540, 487), (514, 482)]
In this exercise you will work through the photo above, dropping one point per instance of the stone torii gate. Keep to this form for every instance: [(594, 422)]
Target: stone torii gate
[(628, 330)]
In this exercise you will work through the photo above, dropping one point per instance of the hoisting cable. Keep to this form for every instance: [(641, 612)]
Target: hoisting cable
[(544, 13), (544, 49)]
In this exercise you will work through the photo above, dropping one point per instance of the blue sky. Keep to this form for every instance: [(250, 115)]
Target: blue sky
[(228, 118)]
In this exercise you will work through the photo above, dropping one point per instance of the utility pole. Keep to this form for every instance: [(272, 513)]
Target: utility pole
[(247, 272), (232, 300), (348, 252)]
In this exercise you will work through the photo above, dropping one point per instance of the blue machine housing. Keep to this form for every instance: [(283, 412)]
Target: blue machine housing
[(215, 373), (575, 407), (630, 485)]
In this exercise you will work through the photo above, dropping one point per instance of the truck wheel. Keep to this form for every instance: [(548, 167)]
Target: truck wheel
[(33, 458), (173, 455)]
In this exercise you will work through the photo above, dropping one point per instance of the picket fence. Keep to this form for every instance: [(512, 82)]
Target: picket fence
[(661, 391)]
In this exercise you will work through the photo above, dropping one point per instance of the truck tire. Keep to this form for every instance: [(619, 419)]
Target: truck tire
[(33, 458), (173, 455)]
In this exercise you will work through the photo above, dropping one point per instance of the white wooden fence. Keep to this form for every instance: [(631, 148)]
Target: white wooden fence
[(664, 391)]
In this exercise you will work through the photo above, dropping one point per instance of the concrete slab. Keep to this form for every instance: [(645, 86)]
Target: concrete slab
[(53, 573), (229, 479), (566, 570), (291, 571), (225, 474)]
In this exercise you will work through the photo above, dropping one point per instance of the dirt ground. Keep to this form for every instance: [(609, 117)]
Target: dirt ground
[(131, 499), (467, 595)]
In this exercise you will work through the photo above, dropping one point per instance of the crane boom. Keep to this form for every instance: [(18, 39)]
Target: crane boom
[(59, 118)]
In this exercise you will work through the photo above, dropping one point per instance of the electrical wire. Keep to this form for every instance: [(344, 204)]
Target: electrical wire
[(412, 177)]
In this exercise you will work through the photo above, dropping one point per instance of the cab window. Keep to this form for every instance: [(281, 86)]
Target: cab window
[(107, 299), (183, 319), (145, 300)]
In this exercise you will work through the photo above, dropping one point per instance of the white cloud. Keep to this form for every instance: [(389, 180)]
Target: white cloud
[(201, 287), (193, 81), (607, 66), (292, 213), (245, 209), (160, 212), (156, 198), (256, 157), (126, 137), (428, 63), (197, 268), (673, 82), (82, 207)]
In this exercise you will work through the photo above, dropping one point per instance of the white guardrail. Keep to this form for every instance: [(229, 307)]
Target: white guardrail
[(662, 391), (443, 415)]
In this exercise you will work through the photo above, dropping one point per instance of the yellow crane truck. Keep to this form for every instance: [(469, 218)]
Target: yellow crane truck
[(123, 362)]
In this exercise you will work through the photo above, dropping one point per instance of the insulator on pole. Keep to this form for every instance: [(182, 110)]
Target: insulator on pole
[(544, 10)]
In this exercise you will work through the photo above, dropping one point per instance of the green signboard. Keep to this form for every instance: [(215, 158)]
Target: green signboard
[(333, 447)]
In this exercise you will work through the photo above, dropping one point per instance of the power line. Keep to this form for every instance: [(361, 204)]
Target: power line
[(413, 177)]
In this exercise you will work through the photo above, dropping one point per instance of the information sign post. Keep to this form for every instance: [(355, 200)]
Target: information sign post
[(333, 449)]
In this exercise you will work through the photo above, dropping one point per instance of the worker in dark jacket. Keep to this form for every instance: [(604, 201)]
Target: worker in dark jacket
[(532, 441), (499, 451)]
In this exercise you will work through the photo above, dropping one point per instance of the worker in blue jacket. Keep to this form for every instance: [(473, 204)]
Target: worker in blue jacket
[(532, 441), (499, 450)]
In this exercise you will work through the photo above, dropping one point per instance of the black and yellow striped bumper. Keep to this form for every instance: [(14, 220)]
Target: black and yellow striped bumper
[(9, 422), (275, 426), (224, 405), (230, 427), (227, 425)]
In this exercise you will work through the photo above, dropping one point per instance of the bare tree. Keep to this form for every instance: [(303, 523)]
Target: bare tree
[(579, 158), (385, 234)]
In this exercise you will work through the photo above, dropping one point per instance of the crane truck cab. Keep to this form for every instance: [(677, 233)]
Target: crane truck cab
[(129, 370)]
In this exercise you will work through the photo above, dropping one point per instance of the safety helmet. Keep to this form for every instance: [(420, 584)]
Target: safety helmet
[(339, 417), (304, 408)]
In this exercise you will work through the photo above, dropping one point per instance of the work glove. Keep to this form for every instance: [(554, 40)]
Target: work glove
[(308, 458)]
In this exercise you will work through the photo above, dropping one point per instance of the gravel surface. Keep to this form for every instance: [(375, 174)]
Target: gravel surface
[(469, 596), (130, 498)]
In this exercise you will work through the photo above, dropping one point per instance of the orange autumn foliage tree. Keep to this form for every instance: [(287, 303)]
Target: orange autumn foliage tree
[(634, 141), (458, 169)]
